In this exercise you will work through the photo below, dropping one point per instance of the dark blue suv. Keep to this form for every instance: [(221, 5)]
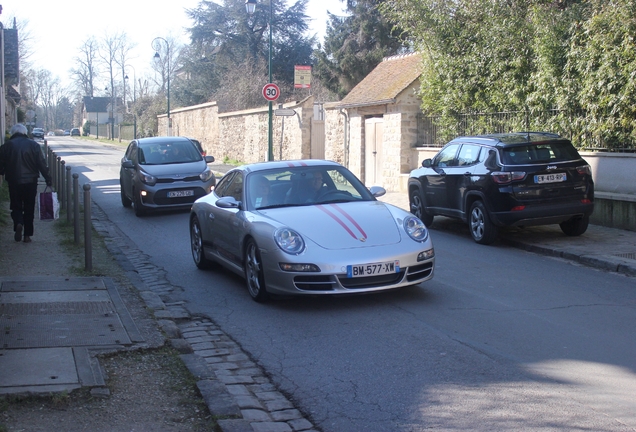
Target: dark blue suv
[(511, 179)]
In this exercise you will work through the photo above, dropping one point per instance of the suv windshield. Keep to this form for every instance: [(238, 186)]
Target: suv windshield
[(547, 151)]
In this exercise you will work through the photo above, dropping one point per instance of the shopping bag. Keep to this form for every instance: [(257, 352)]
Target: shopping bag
[(49, 206)]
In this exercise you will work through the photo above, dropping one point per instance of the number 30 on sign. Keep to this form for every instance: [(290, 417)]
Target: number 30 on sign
[(271, 92)]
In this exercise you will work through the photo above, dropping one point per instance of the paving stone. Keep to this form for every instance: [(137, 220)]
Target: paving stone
[(300, 424), (256, 415), (181, 345), (269, 395), (278, 405), (237, 357), (238, 390), (271, 427), (238, 379), (247, 402), (203, 346), (217, 398), (224, 365), (235, 425), (285, 415), (214, 352)]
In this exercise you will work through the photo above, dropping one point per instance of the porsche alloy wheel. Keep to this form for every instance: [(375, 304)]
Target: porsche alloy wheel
[(196, 244), (254, 272)]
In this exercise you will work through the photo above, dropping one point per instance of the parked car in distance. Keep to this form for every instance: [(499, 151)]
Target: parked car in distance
[(50, 133), (510, 179), (199, 146), (67, 132), (163, 173), (308, 227), (37, 133), (75, 132)]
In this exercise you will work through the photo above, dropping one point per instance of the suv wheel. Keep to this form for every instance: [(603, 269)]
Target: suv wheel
[(481, 228), (575, 226), (124, 199), (417, 207)]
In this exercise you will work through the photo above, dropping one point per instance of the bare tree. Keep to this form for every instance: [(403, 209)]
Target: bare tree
[(108, 53), (86, 71), (121, 58)]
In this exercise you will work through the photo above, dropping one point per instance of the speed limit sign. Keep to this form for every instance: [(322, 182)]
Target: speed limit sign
[(271, 92)]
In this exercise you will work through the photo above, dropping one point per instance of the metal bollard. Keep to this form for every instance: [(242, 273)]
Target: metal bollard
[(62, 184), (68, 194), (76, 226), (57, 173), (88, 246)]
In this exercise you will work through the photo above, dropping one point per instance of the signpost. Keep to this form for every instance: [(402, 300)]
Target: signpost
[(271, 92)]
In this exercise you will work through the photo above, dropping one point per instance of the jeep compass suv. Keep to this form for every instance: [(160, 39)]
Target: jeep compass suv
[(511, 179)]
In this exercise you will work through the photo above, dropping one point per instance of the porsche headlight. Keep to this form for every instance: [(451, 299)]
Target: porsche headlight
[(289, 241), (206, 175), (146, 178), (415, 228)]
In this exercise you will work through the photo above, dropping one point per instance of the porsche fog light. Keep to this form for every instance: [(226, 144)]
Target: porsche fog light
[(415, 228), (426, 255), (289, 241), (290, 267)]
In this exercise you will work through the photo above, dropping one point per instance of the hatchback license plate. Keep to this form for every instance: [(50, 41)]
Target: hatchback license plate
[(550, 178), (181, 193), (376, 269)]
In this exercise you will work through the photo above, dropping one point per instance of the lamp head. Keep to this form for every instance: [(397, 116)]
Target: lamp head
[(250, 5)]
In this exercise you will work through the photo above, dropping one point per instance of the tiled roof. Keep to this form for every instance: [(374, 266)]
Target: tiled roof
[(96, 104), (386, 81)]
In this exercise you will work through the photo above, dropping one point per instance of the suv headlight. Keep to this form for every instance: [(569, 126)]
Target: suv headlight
[(206, 175), (146, 178), (289, 241), (415, 228)]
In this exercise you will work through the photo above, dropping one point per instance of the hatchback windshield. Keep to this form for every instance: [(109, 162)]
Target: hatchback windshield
[(546, 152), (168, 153)]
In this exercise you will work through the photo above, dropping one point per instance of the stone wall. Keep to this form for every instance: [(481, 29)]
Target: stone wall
[(242, 136)]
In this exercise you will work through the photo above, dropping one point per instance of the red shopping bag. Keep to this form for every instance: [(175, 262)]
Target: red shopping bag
[(49, 206)]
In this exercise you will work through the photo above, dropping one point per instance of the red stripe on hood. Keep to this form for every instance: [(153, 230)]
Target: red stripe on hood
[(337, 219), (348, 216)]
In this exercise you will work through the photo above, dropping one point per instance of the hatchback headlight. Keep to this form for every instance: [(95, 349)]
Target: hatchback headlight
[(146, 178), (289, 241), (415, 228), (206, 175)]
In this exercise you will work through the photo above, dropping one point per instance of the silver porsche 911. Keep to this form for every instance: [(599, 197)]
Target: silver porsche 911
[(308, 227)]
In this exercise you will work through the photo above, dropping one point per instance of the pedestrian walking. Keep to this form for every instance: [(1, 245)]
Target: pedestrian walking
[(21, 162)]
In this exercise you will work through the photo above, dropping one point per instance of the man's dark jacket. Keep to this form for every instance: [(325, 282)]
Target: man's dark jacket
[(21, 161)]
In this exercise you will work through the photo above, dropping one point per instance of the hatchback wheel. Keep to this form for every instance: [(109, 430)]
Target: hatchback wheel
[(575, 226), (481, 228), (417, 207), (254, 273), (124, 199), (196, 244)]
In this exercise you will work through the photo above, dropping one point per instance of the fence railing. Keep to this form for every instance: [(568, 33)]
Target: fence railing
[(584, 131)]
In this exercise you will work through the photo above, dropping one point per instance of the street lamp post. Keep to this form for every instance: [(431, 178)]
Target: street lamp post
[(134, 101), (156, 46), (250, 5)]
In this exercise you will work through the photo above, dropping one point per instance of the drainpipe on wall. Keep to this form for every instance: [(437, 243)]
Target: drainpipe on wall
[(344, 113)]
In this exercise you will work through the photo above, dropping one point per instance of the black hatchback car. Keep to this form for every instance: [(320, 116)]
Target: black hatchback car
[(511, 179)]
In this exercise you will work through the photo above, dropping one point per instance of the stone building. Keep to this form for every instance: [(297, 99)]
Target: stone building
[(373, 130)]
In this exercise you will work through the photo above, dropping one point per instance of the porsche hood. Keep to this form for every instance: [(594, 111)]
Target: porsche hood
[(342, 225)]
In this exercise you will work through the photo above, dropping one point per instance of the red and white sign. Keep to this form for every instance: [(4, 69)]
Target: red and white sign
[(271, 92)]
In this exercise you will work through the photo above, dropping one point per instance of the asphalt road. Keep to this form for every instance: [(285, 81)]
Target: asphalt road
[(500, 339)]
